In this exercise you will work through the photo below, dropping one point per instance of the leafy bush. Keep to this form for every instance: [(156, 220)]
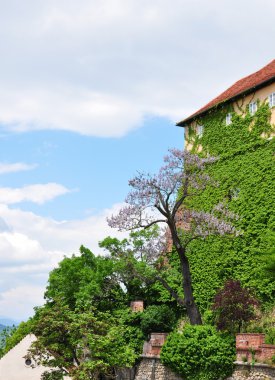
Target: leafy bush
[(199, 353), (52, 375), (132, 333), (265, 324), (270, 336), (158, 318)]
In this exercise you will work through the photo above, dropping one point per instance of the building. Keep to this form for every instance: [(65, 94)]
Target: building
[(17, 365), (238, 127), (246, 93)]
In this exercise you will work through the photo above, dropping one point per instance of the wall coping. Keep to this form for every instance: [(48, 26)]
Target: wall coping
[(150, 357), (257, 365), (267, 345), (257, 334)]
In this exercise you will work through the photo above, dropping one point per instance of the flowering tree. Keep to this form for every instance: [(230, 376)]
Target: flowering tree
[(160, 198)]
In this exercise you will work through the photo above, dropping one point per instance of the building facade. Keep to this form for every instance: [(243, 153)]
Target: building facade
[(237, 127), (247, 94)]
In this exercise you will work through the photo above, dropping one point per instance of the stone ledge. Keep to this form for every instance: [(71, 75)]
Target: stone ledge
[(257, 365), (150, 356)]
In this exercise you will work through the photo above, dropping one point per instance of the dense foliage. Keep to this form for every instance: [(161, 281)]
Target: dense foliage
[(158, 318), (85, 328), (265, 324), (83, 342), (245, 173), (133, 259), (83, 279), (199, 353)]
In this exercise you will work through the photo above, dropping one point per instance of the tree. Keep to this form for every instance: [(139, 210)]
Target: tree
[(134, 259), (83, 329), (85, 279), (233, 305), (11, 336), (163, 198), (82, 343)]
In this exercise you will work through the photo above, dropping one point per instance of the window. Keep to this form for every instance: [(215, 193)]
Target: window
[(271, 99), (28, 362), (228, 119), (200, 130), (253, 108)]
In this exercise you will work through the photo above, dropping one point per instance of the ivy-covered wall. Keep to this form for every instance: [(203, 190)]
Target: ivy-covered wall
[(245, 173)]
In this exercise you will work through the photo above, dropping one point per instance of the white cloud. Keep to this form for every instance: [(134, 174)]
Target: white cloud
[(33, 246), (71, 109), (15, 167), (99, 67), (16, 247), (20, 300), (38, 193), (65, 236)]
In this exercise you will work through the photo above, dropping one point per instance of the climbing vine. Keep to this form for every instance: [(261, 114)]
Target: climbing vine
[(245, 174)]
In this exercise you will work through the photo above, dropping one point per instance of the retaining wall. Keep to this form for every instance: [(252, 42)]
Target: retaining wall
[(153, 369)]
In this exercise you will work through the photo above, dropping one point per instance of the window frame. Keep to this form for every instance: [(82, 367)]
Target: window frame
[(200, 130), (253, 108), (271, 100), (228, 118)]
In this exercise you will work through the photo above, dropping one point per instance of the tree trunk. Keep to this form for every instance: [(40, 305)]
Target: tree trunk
[(191, 307)]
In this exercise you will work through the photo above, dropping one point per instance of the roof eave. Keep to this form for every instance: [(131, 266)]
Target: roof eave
[(184, 123)]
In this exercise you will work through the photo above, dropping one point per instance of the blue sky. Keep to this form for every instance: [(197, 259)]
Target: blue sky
[(90, 93), (95, 170)]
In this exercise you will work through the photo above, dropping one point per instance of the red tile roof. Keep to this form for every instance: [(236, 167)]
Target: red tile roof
[(244, 85)]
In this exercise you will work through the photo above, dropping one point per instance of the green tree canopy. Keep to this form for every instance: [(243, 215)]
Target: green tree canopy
[(85, 279), (83, 343)]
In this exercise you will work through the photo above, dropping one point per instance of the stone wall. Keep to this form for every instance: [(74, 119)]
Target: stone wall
[(256, 372), (152, 369)]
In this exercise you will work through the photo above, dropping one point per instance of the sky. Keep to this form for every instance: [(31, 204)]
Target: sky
[(90, 92)]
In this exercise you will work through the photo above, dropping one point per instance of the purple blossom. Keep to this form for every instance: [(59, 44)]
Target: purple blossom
[(182, 170), (155, 198)]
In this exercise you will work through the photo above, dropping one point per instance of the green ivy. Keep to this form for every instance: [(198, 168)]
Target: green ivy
[(245, 174), (245, 131)]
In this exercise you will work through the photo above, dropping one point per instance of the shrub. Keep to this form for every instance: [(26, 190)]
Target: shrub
[(199, 353), (264, 324), (158, 318), (233, 305)]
